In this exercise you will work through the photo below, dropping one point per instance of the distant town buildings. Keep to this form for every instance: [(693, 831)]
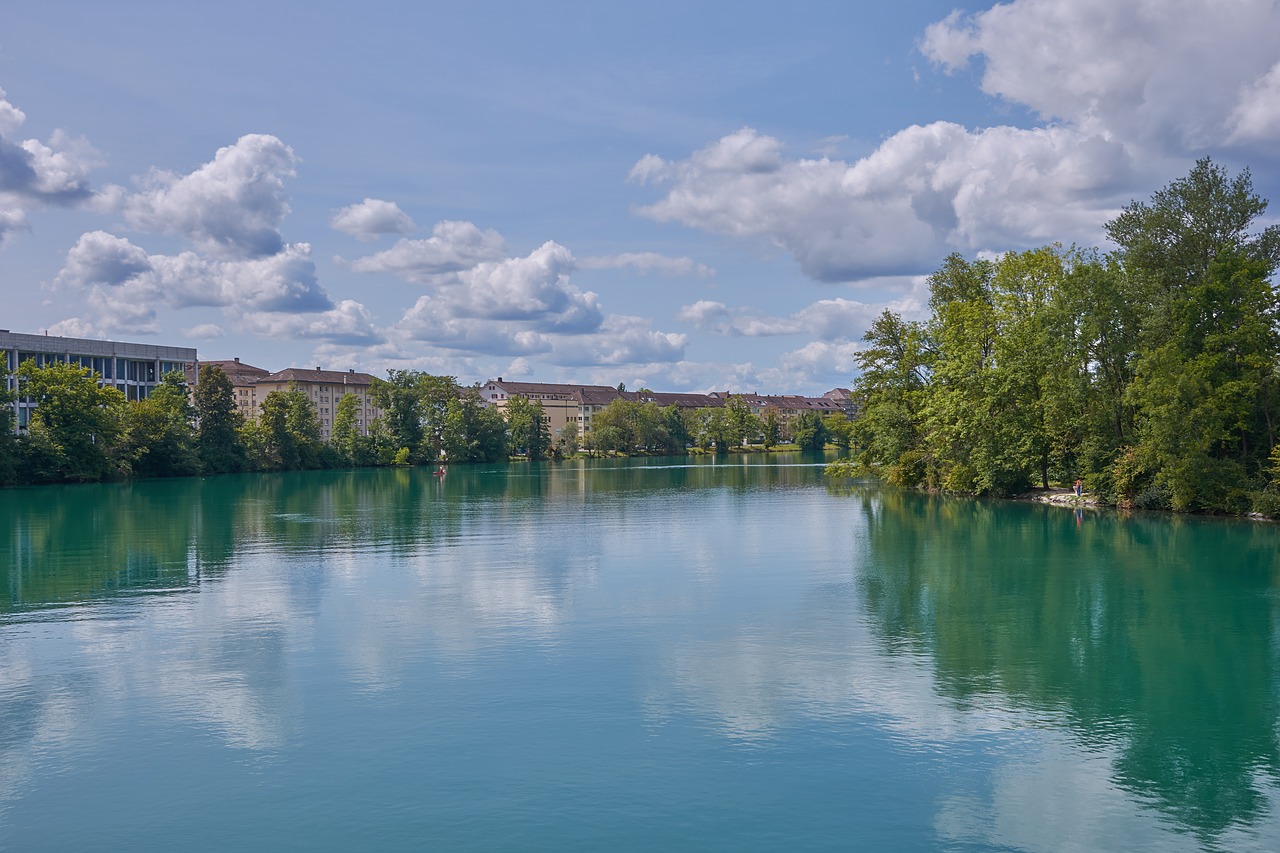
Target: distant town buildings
[(574, 405), (135, 369), (324, 388)]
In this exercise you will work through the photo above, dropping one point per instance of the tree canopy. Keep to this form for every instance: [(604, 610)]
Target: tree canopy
[(1150, 372)]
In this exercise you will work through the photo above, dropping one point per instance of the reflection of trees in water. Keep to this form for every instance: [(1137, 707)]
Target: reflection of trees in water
[(1152, 636), (77, 543)]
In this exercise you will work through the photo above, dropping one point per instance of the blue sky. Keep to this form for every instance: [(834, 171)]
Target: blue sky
[(688, 196)]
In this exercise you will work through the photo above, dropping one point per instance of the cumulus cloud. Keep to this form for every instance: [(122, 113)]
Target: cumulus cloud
[(650, 262), (230, 207), (346, 323), (125, 287), (827, 320), (452, 247), (508, 307), (621, 340), (34, 174), (534, 289), (706, 315), (1152, 74), (1256, 117), (204, 331), (372, 218), (923, 192)]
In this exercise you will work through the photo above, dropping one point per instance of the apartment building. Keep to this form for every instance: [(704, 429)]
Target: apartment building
[(135, 369), (324, 388)]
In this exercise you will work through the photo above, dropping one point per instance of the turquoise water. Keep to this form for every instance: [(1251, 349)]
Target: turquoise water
[(627, 655)]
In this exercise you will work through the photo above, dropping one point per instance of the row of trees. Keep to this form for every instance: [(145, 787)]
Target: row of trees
[(1152, 372), (627, 426), (81, 431)]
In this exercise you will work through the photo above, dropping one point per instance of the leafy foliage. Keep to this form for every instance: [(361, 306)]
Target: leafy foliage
[(1151, 373)]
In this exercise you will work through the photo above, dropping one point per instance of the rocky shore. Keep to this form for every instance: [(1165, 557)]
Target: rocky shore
[(1059, 497)]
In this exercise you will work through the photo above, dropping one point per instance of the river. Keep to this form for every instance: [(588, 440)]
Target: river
[(645, 654)]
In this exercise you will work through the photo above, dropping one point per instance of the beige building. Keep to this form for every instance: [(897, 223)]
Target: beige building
[(576, 405), (324, 388)]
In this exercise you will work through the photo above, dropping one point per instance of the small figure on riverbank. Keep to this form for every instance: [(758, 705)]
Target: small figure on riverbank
[(1079, 487)]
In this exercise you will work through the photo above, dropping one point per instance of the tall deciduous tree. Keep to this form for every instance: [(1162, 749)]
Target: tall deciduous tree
[(529, 433), (891, 395), (1204, 378), (218, 423), (473, 432)]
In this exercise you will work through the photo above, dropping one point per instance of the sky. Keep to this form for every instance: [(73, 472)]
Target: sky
[(675, 195)]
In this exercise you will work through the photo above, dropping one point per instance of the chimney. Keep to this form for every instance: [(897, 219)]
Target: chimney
[(317, 368), (237, 359), (351, 370), (499, 378)]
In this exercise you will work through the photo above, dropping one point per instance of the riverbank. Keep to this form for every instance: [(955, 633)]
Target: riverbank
[(1060, 497)]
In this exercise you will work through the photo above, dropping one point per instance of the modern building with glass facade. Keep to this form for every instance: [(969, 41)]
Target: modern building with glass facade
[(135, 369)]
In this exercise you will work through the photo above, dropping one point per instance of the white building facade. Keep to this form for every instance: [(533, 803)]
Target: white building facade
[(134, 369)]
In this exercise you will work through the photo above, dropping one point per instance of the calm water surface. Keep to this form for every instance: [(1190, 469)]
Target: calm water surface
[(646, 654)]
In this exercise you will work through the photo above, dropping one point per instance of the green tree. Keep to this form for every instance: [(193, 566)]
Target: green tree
[(472, 431), (839, 430), (76, 428), (434, 395), (400, 399), (810, 432), (567, 441), (159, 437), (744, 426), (219, 423), (715, 430), (527, 427), (351, 447), (1204, 385), (286, 434), (770, 427), (891, 395)]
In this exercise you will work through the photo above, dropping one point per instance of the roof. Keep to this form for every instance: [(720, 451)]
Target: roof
[(684, 401), (325, 377), (237, 371)]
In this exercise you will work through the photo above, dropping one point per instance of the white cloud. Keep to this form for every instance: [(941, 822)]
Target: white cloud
[(346, 323), (646, 262), (923, 192), (372, 218), (124, 287), (204, 331), (34, 175), (707, 316), (621, 340), (1160, 76), (433, 322), (1256, 117), (532, 289), (508, 307), (230, 207), (452, 247), (827, 319)]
